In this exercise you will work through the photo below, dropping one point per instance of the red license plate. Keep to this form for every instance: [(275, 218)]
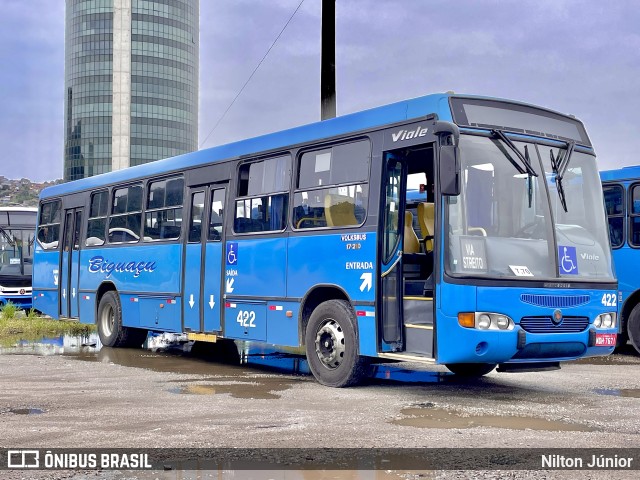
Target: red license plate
[(605, 339)]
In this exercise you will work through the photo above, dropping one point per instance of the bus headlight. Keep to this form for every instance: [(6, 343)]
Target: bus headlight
[(502, 322), (605, 320), (484, 321)]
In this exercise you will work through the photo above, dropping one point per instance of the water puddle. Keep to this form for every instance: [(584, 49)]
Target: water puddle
[(172, 353), (614, 392), (250, 390), (429, 416), (25, 411)]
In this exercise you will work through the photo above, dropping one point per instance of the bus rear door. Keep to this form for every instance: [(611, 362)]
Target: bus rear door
[(70, 264), (203, 259)]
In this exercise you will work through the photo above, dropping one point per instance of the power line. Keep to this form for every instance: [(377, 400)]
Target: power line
[(252, 74)]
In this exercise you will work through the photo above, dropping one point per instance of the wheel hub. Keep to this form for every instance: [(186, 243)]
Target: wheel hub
[(108, 317), (330, 344)]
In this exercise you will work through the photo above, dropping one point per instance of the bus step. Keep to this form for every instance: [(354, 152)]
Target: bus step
[(419, 338), (417, 310), (408, 357)]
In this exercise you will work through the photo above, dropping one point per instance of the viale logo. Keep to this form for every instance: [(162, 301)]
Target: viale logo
[(403, 134)]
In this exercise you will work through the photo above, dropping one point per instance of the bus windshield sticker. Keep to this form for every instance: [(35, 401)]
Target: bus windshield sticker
[(521, 271), (567, 260), (474, 257), (232, 253)]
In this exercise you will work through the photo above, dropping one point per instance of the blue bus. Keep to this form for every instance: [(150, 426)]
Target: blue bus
[(308, 239), (622, 201), (17, 243)]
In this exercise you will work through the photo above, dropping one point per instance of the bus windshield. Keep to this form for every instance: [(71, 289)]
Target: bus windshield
[(16, 251), (502, 225)]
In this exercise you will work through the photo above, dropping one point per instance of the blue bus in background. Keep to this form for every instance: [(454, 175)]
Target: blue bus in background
[(622, 199), (446, 229), (17, 243)]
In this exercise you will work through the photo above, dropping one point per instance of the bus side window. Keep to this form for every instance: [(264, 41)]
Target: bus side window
[(49, 230), (265, 183), (163, 215), (634, 216), (332, 189), (97, 224), (613, 199), (125, 221)]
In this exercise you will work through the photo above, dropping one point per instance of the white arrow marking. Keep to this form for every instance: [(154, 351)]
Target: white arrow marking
[(230, 284), (64, 293), (366, 281), (211, 302), (191, 302), (73, 292)]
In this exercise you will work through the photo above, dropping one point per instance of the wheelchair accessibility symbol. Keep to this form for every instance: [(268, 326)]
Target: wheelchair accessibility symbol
[(567, 260), (232, 253)]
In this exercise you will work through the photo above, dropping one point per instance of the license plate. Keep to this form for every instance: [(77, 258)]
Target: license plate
[(605, 339)]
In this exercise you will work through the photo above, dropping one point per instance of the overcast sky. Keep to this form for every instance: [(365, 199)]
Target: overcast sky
[(578, 57)]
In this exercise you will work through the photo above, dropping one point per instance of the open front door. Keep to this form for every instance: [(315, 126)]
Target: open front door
[(203, 259), (70, 264), (391, 254)]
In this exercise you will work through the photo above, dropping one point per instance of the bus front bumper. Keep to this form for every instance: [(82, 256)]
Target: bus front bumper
[(469, 345)]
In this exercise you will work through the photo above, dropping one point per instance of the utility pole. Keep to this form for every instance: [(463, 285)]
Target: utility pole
[(328, 61)]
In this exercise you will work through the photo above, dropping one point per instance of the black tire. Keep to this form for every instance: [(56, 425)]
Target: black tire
[(331, 344), (470, 370), (622, 339), (110, 329), (633, 327)]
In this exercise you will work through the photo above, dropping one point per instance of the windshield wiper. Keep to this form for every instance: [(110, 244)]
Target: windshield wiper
[(529, 180), (559, 166), (526, 162), (4, 233)]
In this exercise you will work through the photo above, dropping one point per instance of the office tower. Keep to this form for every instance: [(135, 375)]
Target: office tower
[(131, 83)]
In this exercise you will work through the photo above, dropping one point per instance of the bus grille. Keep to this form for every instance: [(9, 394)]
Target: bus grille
[(546, 325), (555, 301)]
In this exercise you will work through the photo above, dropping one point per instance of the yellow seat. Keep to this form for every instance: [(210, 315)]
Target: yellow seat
[(426, 218), (411, 242), (339, 211)]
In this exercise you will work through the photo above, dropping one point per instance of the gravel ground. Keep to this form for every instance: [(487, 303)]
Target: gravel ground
[(98, 400)]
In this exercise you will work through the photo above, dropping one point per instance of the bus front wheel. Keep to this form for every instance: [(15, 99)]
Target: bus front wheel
[(633, 327), (331, 344), (110, 329), (470, 370)]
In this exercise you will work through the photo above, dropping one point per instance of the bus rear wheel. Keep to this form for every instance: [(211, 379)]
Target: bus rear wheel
[(470, 370), (110, 329), (331, 343), (633, 327)]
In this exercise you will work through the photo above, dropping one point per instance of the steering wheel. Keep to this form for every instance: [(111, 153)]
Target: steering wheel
[(529, 230)]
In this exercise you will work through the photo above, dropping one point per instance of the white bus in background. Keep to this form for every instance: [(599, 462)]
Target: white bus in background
[(17, 234)]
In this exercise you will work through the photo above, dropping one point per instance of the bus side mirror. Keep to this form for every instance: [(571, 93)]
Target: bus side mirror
[(449, 176)]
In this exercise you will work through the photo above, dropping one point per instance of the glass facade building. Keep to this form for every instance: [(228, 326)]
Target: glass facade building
[(131, 83)]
